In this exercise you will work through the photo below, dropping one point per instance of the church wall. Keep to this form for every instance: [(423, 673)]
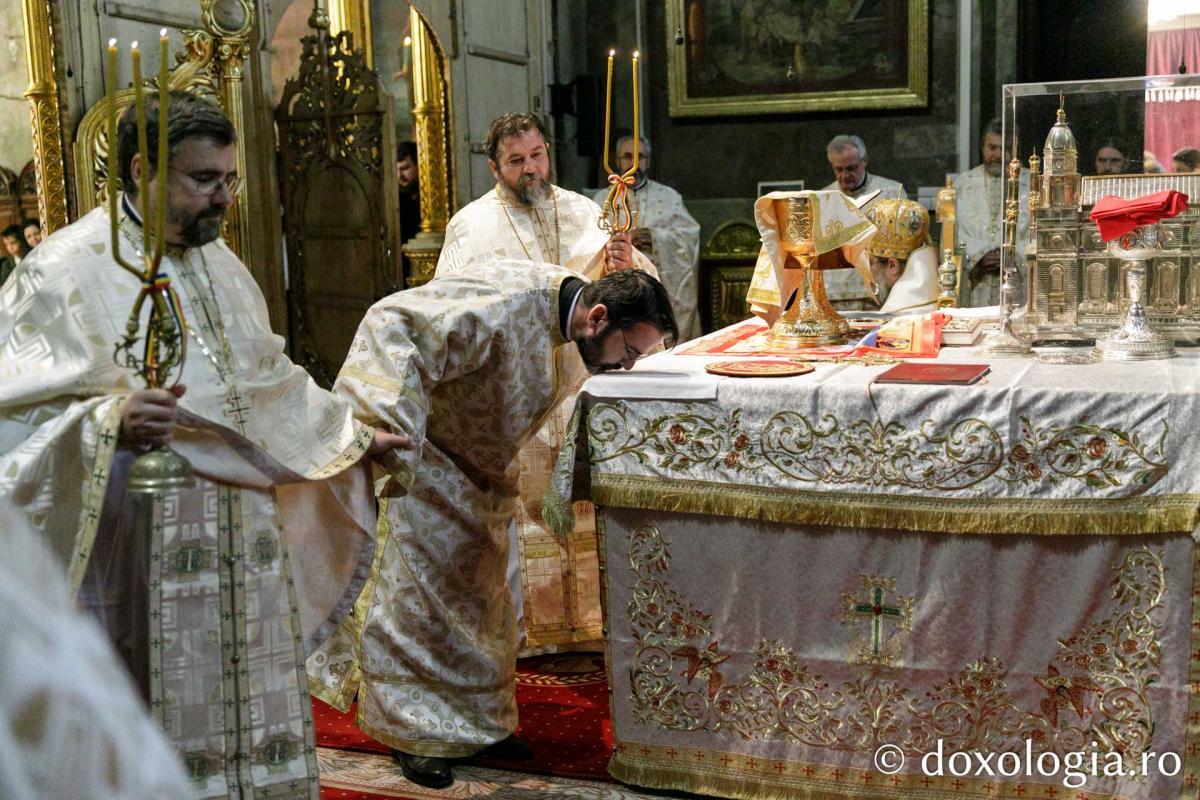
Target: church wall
[(16, 144), (710, 157)]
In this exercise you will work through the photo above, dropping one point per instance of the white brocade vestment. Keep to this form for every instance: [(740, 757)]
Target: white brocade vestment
[(469, 366), (979, 212), (676, 251), (212, 593), (559, 578)]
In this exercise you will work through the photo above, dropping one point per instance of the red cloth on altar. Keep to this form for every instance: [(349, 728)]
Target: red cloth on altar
[(1116, 216)]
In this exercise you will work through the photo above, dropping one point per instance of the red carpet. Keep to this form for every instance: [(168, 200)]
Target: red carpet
[(562, 701)]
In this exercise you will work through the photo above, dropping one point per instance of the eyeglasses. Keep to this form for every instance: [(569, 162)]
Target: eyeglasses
[(206, 187), (630, 353)]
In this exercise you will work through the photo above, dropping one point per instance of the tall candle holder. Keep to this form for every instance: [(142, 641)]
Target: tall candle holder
[(164, 341), (1006, 341), (615, 216)]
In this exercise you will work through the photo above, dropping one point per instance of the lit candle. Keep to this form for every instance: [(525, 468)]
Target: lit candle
[(608, 111), (143, 151), (160, 177), (113, 177), (637, 142)]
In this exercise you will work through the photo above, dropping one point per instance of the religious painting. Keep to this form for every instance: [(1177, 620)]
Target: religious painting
[(736, 57)]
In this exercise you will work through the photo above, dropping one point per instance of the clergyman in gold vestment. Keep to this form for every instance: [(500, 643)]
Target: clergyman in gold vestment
[(469, 366), (555, 582)]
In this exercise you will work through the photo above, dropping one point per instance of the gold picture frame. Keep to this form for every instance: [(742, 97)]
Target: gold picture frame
[(745, 57)]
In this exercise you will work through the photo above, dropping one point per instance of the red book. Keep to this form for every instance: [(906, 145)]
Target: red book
[(956, 374)]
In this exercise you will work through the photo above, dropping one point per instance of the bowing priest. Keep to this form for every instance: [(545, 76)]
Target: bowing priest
[(469, 365), (527, 217), (903, 264), (210, 593)]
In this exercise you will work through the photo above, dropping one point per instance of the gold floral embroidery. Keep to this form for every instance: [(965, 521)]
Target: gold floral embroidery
[(1100, 456), (829, 451), (1096, 695)]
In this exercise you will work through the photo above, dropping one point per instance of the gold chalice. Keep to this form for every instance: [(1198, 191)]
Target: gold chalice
[(806, 319)]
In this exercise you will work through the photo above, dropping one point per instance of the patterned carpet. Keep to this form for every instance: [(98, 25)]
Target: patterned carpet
[(562, 701), (349, 775)]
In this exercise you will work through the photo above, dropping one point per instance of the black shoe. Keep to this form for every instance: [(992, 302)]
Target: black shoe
[(510, 749), (428, 771)]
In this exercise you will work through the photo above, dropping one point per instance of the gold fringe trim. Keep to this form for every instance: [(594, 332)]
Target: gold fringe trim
[(557, 512), (1176, 513), (771, 779)]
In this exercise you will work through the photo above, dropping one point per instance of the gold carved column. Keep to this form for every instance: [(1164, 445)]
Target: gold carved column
[(431, 131), (229, 22), (47, 122)]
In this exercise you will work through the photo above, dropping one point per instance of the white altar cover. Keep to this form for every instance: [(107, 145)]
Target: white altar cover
[(802, 571)]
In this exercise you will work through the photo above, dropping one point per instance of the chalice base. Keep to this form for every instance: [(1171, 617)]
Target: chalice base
[(1127, 345), (811, 321), (158, 470)]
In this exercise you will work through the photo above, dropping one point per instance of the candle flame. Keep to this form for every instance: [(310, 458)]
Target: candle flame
[(162, 33), (612, 53), (112, 42), (635, 53), (133, 46), (408, 41)]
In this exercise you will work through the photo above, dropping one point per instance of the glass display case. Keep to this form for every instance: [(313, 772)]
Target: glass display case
[(1080, 141)]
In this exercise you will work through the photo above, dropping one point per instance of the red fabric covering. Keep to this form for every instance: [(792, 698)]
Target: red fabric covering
[(1116, 216), (562, 703)]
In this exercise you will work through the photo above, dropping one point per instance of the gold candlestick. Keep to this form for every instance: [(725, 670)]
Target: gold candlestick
[(615, 216), (165, 347)]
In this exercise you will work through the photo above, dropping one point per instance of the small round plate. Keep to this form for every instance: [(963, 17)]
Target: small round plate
[(758, 369)]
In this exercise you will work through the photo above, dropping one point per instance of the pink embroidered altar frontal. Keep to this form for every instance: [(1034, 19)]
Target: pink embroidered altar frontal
[(816, 587)]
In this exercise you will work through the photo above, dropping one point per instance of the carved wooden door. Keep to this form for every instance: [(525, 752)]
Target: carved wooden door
[(339, 200)]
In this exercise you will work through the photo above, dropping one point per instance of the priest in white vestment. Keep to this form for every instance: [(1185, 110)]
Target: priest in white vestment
[(469, 366), (666, 233), (527, 217), (212, 594), (979, 214)]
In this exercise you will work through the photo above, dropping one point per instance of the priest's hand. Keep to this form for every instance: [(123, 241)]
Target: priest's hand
[(148, 418), (385, 442), (618, 253), (642, 239)]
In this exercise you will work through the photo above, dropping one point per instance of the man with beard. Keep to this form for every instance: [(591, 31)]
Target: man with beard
[(408, 186), (526, 217), (980, 218), (468, 365), (211, 593), (665, 232)]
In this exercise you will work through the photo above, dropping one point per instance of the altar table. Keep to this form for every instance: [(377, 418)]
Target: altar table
[(807, 580)]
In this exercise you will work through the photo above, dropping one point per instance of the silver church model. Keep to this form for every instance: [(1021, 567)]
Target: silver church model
[(1076, 288)]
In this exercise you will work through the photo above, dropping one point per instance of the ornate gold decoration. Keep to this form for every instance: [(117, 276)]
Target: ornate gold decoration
[(727, 267), (353, 17), (1100, 677), (830, 451), (229, 23), (806, 317), (875, 646), (192, 73), (432, 133), (48, 152)]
